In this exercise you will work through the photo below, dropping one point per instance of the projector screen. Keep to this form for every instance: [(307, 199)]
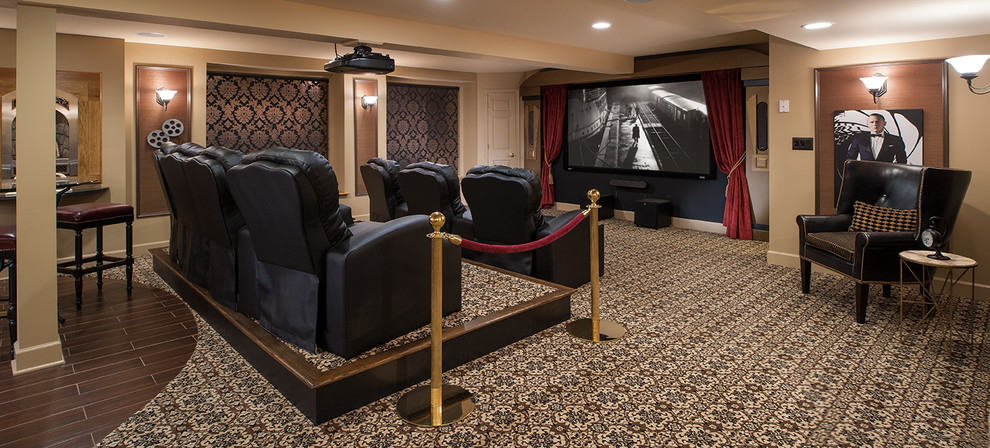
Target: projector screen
[(656, 126)]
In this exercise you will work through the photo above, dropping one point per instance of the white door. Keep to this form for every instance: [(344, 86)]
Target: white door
[(504, 145)]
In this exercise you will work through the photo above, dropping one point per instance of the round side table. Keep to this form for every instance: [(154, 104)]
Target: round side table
[(955, 268)]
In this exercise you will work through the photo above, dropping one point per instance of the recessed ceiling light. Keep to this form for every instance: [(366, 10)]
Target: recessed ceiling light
[(147, 34), (817, 25), (601, 25)]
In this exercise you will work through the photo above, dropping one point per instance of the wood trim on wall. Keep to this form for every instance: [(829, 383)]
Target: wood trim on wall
[(365, 129), (152, 117), (910, 85)]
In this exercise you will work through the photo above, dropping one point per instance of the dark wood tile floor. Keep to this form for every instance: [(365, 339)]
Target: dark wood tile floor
[(119, 353)]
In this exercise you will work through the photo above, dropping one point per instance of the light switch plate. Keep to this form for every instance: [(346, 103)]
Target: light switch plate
[(803, 143), (761, 161), (784, 105)]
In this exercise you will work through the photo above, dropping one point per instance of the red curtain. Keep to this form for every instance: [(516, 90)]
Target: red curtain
[(723, 93), (553, 100)]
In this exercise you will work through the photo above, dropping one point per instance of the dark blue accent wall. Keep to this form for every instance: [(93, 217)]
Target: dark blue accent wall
[(700, 199)]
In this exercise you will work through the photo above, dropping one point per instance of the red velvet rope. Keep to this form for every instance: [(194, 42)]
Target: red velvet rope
[(499, 249)]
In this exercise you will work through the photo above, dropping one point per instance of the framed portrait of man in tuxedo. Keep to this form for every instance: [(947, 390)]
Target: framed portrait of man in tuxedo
[(891, 135)]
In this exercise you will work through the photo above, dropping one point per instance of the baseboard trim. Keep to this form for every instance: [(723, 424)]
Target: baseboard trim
[(37, 357), (783, 259), (680, 223), (695, 224)]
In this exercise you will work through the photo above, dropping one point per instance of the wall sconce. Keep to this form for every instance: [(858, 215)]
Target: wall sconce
[(163, 96), (368, 101), (968, 67), (876, 84)]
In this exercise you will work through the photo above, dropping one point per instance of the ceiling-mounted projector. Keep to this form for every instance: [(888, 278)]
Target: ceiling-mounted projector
[(361, 62)]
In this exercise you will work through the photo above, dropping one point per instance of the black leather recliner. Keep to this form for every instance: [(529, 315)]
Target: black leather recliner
[(505, 206), (429, 187), (321, 283), (175, 237), (222, 229), (385, 198), (873, 256), (191, 252)]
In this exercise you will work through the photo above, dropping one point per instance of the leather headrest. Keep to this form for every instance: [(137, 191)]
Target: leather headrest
[(189, 149), (317, 170), (227, 157), (448, 175), (168, 148), (389, 170), (512, 174), (391, 167)]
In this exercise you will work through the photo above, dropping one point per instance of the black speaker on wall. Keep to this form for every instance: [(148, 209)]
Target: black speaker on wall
[(761, 126)]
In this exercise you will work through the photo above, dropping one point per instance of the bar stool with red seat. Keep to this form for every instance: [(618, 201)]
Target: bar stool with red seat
[(78, 217), (8, 254)]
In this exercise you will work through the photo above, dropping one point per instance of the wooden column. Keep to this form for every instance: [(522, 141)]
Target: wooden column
[(37, 343)]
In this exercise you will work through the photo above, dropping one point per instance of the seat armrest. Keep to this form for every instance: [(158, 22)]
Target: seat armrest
[(345, 214), (556, 224), (378, 283), (876, 255), (567, 260), (885, 239), (823, 223), (371, 233)]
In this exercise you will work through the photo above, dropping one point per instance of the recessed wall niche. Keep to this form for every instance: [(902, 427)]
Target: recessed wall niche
[(78, 123), (911, 85), (158, 121)]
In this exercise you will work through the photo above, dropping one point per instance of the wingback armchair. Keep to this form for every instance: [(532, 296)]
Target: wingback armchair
[(322, 283), (881, 210)]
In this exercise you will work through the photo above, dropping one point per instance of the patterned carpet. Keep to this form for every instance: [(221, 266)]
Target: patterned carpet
[(722, 350), (483, 291)]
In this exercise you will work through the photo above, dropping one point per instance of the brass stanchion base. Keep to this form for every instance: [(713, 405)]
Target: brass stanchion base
[(414, 406), (607, 330)]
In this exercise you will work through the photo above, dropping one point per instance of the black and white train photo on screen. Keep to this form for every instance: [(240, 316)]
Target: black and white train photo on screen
[(653, 127)]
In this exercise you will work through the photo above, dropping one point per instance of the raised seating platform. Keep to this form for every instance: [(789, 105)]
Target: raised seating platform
[(325, 389)]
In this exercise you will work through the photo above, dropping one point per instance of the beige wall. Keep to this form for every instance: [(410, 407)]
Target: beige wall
[(341, 119), (103, 56), (753, 61), (115, 61), (792, 174)]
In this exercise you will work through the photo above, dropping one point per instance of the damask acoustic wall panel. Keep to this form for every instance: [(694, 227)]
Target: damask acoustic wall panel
[(422, 124), (251, 113)]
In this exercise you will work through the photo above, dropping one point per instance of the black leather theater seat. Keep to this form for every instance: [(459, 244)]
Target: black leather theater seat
[(322, 283)]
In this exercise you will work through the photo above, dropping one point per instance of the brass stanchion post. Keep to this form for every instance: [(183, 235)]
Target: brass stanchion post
[(436, 404), (595, 329)]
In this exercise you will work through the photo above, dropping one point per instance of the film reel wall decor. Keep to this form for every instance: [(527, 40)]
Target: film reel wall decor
[(157, 125), (171, 128)]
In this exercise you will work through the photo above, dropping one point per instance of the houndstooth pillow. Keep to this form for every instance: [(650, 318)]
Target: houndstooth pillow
[(874, 218)]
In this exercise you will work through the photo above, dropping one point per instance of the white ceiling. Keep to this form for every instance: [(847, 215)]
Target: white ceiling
[(638, 28)]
